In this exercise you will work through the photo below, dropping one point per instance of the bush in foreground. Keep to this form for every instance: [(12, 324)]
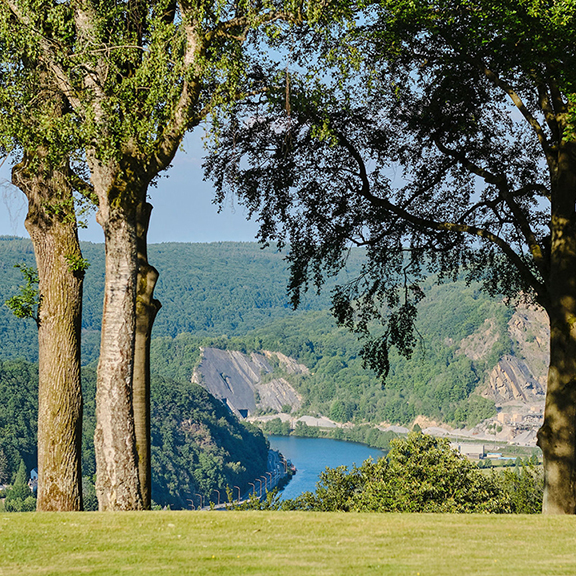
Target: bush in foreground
[(423, 474)]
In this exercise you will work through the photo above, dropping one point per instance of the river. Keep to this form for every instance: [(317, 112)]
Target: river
[(312, 455)]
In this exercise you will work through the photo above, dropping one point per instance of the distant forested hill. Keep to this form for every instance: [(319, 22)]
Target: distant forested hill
[(197, 445), (439, 381), (233, 295), (18, 338), (208, 289)]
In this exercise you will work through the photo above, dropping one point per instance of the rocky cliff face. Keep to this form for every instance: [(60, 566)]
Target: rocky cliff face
[(480, 344), (246, 383), (521, 376), (512, 380)]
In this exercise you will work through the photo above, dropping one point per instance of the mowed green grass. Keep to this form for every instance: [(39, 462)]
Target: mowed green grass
[(285, 543)]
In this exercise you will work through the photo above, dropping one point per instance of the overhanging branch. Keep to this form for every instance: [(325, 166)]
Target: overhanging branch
[(501, 184), (446, 226), (528, 116)]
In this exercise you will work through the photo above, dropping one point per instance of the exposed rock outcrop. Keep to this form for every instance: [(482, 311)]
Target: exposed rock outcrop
[(288, 364), (479, 344), (512, 379), (246, 383), (529, 330), (520, 377), (277, 394)]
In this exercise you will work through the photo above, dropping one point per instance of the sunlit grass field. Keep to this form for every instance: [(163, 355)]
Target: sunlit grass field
[(285, 543)]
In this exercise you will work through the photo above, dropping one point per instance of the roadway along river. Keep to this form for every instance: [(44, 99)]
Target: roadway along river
[(312, 455)]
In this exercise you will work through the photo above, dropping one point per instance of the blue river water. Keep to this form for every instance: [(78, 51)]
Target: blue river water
[(312, 455)]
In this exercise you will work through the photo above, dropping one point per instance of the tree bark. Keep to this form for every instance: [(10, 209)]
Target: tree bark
[(117, 483), (146, 309), (51, 224), (557, 437)]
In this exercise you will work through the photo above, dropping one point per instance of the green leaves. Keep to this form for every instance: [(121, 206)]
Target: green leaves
[(26, 303), (427, 132), (76, 263), (423, 474)]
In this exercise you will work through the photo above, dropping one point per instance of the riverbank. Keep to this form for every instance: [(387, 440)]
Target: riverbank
[(285, 544), (367, 434), (380, 437)]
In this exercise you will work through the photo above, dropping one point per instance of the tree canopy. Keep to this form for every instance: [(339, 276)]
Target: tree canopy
[(440, 136), (134, 77), (430, 149)]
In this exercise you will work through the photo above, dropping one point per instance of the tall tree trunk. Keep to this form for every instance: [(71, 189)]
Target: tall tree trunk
[(557, 437), (117, 483), (146, 309), (51, 224)]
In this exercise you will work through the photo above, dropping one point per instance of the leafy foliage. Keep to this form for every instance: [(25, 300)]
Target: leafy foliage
[(198, 446), (25, 304), (423, 474), (390, 141), (20, 338), (19, 497), (18, 415)]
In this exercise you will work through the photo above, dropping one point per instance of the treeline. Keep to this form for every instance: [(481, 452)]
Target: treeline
[(205, 289), (362, 433), (197, 444), (233, 295), (19, 338)]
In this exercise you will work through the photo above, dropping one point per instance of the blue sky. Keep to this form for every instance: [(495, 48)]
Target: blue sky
[(183, 209)]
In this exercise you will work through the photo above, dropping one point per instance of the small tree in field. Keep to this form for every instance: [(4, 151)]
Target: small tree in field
[(19, 497)]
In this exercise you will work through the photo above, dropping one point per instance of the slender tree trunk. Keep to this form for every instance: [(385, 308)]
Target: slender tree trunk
[(557, 437), (146, 309), (117, 483), (54, 236)]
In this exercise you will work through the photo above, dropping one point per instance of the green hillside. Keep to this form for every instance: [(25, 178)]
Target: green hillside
[(198, 446), (437, 382), (18, 338), (233, 295), (205, 289)]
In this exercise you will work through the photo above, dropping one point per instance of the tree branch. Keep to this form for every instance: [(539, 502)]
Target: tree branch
[(491, 204), (501, 184), (49, 55), (197, 42), (528, 116), (468, 164), (549, 114), (430, 224), (557, 100)]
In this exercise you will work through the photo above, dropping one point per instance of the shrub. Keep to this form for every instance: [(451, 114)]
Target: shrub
[(423, 474), (19, 498)]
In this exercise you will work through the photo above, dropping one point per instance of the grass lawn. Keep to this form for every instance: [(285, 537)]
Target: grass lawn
[(285, 543)]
